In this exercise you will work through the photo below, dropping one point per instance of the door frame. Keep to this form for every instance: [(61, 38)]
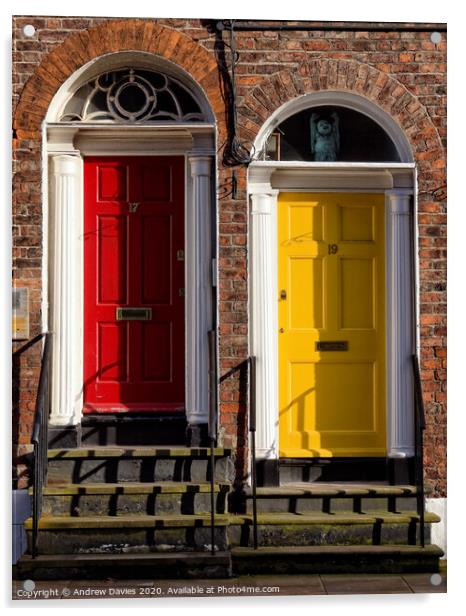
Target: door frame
[(65, 145), (397, 181)]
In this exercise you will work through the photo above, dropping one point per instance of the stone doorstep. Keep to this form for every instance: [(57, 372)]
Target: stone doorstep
[(123, 559), (136, 452), (340, 517), (328, 497), (137, 533), (338, 490), (243, 561), (336, 559), (180, 564), (64, 523), (320, 529), (161, 487), (293, 551), (161, 499), (188, 520)]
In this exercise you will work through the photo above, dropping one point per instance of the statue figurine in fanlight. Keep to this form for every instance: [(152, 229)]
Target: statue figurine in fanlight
[(325, 137)]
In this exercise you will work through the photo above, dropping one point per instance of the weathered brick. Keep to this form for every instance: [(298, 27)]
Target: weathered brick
[(404, 73)]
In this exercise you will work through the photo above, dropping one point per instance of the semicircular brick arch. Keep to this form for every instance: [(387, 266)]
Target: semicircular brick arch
[(111, 37), (348, 76)]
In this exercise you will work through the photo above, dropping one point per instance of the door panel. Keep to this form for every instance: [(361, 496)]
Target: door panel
[(112, 259), (134, 227), (332, 325)]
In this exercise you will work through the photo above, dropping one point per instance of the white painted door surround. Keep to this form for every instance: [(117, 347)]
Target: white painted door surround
[(65, 145), (396, 181), (266, 179)]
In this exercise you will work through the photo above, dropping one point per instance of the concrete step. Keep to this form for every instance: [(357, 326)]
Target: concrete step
[(336, 559), (328, 498), (317, 528), (147, 533), (136, 464), (333, 469), (115, 499), (127, 533), (126, 429), (174, 565)]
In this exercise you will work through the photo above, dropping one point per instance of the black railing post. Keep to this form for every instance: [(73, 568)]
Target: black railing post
[(35, 504), (39, 440), (419, 426), (252, 430), (212, 430)]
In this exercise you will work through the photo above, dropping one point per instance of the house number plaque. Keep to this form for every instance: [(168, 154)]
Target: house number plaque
[(20, 313)]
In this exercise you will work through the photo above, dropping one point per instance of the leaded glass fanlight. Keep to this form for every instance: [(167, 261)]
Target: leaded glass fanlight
[(347, 136), (131, 96)]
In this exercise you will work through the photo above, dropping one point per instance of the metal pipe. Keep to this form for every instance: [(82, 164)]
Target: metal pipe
[(420, 424), (338, 26), (212, 429), (212, 496)]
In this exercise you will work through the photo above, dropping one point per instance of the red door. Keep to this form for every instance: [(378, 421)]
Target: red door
[(133, 284)]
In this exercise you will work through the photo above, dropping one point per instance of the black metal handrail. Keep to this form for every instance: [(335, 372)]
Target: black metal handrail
[(419, 426), (252, 430), (212, 430), (39, 440)]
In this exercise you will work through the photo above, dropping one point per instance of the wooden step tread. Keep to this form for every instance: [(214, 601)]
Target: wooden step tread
[(135, 452), (338, 490), (161, 487), (127, 521), (341, 517)]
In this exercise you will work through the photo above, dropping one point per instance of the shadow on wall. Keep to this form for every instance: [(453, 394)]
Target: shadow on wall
[(241, 373)]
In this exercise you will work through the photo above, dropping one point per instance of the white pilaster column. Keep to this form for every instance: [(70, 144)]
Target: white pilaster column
[(400, 331), (66, 294), (198, 289), (263, 293)]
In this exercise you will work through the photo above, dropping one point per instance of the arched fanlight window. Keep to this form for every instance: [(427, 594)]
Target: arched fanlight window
[(330, 133), (132, 96)]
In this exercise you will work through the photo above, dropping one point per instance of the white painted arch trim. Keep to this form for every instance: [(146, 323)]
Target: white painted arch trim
[(341, 99), (397, 183), (125, 59), (64, 145)]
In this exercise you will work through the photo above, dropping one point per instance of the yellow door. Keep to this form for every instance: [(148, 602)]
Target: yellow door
[(331, 319)]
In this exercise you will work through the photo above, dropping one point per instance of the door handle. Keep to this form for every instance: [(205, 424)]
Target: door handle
[(133, 207), (283, 294)]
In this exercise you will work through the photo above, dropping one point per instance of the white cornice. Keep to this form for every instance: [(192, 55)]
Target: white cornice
[(328, 176), (135, 140)]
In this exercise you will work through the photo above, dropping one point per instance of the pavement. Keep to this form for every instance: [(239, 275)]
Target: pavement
[(246, 586)]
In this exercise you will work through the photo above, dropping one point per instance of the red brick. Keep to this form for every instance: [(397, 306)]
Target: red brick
[(272, 70)]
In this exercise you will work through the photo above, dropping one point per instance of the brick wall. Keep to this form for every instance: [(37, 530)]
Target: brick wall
[(404, 72)]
